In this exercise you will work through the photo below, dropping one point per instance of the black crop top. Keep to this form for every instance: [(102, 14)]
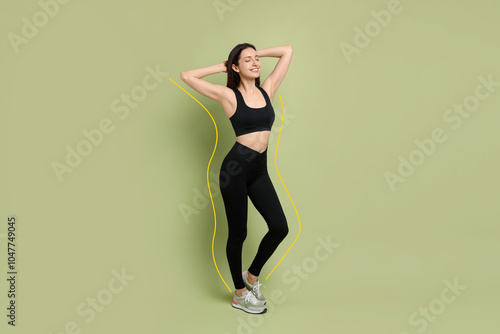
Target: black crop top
[(246, 119)]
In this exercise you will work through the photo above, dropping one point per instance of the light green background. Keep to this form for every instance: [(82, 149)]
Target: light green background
[(347, 124)]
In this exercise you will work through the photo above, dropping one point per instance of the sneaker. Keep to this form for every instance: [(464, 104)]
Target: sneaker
[(255, 288), (248, 303)]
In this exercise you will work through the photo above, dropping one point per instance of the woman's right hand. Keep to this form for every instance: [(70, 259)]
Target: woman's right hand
[(224, 63)]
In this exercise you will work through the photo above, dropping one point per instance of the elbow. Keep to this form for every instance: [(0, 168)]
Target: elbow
[(184, 76)]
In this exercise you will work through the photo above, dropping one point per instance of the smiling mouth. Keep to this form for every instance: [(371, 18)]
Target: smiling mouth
[(254, 70)]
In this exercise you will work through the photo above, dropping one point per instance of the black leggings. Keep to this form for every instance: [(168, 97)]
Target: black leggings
[(244, 173)]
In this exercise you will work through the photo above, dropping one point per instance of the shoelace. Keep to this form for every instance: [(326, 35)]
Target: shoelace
[(256, 288), (251, 297)]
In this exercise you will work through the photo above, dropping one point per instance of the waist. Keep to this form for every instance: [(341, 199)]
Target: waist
[(257, 141), (241, 151)]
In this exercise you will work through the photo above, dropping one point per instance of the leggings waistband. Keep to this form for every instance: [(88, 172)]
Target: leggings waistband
[(248, 154)]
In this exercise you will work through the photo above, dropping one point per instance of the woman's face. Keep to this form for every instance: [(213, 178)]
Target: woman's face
[(249, 64)]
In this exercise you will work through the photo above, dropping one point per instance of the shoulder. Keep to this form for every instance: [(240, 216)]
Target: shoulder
[(267, 88), (229, 100), (228, 94)]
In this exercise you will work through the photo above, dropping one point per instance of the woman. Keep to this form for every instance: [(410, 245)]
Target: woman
[(244, 169)]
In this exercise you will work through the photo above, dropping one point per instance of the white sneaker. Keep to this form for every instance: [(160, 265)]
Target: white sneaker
[(254, 287), (248, 303)]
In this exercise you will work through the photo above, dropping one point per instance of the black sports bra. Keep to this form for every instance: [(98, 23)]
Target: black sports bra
[(246, 119)]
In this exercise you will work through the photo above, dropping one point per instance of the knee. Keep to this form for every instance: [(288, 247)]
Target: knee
[(237, 237), (280, 231)]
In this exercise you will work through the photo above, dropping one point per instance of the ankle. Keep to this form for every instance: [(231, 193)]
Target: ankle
[(251, 278), (240, 291)]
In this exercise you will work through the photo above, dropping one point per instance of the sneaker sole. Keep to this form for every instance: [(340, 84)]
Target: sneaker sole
[(239, 307)]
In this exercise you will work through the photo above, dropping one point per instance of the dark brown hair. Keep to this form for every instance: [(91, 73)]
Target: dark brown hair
[(233, 78)]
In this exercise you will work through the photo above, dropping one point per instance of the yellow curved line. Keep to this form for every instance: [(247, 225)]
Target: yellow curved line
[(208, 182), (275, 153)]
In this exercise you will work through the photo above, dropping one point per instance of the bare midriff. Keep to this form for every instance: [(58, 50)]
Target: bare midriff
[(257, 141)]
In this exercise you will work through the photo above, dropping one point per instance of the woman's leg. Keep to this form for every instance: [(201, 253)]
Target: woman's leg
[(263, 195), (234, 193)]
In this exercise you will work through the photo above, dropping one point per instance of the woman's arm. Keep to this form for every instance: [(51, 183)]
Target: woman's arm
[(274, 79), (193, 79)]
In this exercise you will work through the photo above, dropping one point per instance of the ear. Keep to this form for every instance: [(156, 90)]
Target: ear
[(235, 68)]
